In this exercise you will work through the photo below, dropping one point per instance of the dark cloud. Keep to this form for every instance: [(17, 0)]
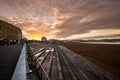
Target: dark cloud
[(92, 15), (62, 18)]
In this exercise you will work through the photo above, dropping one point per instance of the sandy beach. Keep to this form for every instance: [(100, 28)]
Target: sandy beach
[(105, 56)]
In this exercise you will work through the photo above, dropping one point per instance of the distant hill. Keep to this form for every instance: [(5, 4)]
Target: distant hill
[(110, 40)]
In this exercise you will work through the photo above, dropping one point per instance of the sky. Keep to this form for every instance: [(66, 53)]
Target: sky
[(64, 19)]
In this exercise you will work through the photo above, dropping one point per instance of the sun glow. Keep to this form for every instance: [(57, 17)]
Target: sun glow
[(35, 37)]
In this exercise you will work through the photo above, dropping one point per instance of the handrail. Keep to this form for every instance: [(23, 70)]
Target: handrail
[(42, 73), (20, 70)]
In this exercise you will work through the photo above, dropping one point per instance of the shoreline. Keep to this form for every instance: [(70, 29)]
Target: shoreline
[(115, 43)]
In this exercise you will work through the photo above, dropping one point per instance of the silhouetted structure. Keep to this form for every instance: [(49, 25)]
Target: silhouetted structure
[(44, 39)]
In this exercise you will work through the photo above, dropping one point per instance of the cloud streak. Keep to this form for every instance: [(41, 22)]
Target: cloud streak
[(62, 18)]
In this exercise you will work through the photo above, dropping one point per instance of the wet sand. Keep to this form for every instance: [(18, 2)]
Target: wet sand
[(105, 56)]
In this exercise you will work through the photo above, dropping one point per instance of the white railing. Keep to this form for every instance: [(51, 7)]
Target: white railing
[(20, 70)]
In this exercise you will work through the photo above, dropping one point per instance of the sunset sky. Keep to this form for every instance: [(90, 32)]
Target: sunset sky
[(64, 19)]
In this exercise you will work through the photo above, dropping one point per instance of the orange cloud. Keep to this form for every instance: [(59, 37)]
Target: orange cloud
[(61, 18)]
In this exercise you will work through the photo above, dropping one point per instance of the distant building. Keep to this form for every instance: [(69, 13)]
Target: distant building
[(10, 33), (54, 41), (44, 39)]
